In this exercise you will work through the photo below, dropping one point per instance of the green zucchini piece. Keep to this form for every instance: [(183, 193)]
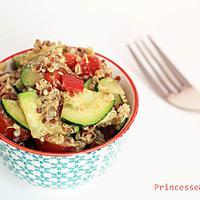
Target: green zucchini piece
[(87, 108), (13, 111), (29, 77), (17, 59), (76, 129), (118, 100), (29, 56), (18, 86), (110, 85), (120, 126), (87, 83), (28, 102), (96, 88)]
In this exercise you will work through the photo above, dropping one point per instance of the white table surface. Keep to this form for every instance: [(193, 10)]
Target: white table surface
[(164, 145)]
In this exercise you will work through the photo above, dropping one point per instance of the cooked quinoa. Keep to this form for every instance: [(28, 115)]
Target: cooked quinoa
[(50, 58)]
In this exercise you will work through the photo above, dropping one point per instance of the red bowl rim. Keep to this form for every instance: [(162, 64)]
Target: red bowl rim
[(125, 128)]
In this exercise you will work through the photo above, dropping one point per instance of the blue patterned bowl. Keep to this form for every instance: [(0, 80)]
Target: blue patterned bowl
[(58, 170)]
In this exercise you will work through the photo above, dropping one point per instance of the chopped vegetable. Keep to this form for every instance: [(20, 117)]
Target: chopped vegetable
[(87, 108), (71, 83), (61, 99), (29, 77), (70, 60), (89, 66), (87, 83), (18, 86), (14, 111), (55, 78)]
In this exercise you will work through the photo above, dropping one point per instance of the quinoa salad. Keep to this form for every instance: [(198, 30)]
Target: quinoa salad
[(58, 98)]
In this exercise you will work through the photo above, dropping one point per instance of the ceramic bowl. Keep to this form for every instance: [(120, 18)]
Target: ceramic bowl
[(58, 170)]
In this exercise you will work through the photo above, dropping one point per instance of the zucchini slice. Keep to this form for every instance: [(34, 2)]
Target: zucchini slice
[(87, 108), (17, 59), (118, 100), (87, 83), (120, 126), (29, 56), (110, 85), (76, 129), (28, 102), (13, 110), (18, 86), (29, 77)]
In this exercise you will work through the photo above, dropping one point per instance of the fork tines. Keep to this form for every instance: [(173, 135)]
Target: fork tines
[(164, 77)]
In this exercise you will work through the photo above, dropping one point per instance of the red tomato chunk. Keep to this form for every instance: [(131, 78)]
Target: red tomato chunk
[(55, 78), (7, 130), (71, 83), (89, 65), (70, 60)]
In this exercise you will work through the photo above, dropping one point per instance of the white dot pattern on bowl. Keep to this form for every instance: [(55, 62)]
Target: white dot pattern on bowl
[(59, 172)]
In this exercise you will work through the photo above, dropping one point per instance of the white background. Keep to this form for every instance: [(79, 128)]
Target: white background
[(164, 145)]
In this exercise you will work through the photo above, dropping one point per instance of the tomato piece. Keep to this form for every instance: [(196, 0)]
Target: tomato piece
[(70, 60), (5, 123), (55, 78), (72, 83), (89, 66), (8, 131), (118, 78), (25, 135), (48, 146)]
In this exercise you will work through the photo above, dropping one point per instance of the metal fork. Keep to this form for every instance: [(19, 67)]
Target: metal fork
[(165, 78)]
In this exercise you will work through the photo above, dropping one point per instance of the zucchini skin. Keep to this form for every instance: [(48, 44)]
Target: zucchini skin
[(96, 89), (87, 83), (70, 123), (110, 85), (28, 77), (122, 124), (16, 89), (12, 118), (118, 100), (82, 125), (87, 108), (18, 58), (16, 61), (27, 101), (18, 86)]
